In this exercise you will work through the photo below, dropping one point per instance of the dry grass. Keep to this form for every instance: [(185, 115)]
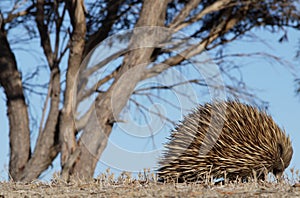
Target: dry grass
[(124, 186)]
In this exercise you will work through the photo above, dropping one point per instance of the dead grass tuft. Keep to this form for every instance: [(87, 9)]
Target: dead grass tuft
[(145, 185)]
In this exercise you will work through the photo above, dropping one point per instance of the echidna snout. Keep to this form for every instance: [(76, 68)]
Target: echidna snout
[(285, 156)]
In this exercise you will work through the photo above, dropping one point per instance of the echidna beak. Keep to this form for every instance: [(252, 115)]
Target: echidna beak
[(278, 171), (278, 174)]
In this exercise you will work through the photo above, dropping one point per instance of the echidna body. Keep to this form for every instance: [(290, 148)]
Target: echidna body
[(226, 139)]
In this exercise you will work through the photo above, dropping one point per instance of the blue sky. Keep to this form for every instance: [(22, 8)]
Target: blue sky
[(273, 83)]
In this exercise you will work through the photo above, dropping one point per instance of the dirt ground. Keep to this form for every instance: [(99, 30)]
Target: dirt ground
[(146, 189)]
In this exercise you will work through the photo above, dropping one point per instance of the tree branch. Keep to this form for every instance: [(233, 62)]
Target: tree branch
[(44, 32), (220, 29), (19, 133), (216, 6), (107, 23), (11, 16)]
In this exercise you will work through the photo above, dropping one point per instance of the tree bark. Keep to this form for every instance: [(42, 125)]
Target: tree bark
[(67, 127), (19, 134), (47, 146), (94, 138)]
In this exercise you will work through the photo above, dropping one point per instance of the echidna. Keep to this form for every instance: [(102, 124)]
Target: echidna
[(225, 139)]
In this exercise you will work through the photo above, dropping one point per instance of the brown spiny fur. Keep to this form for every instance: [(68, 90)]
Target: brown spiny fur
[(225, 139)]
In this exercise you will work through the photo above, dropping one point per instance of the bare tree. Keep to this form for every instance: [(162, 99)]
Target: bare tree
[(73, 28)]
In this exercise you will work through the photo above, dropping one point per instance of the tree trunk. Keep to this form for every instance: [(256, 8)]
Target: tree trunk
[(67, 127), (47, 146), (94, 138), (19, 133)]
